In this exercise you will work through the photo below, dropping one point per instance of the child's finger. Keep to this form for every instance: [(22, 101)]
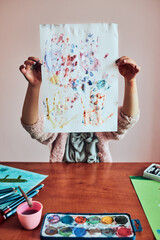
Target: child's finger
[(137, 69), (127, 63), (29, 64), (35, 59), (22, 69)]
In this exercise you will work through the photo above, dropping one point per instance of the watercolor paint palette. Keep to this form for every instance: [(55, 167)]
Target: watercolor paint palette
[(152, 172), (89, 226)]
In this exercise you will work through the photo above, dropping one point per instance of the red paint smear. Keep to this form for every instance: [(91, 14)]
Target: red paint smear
[(60, 39), (84, 116), (66, 72), (124, 232), (110, 115), (99, 96), (106, 55)]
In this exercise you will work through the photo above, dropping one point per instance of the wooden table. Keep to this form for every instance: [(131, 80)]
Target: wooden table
[(83, 188)]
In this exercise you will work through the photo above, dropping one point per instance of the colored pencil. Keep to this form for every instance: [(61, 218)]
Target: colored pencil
[(25, 196), (7, 194), (6, 190), (20, 200), (37, 188), (14, 209), (10, 198), (28, 193)]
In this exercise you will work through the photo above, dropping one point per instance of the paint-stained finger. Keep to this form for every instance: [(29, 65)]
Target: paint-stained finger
[(29, 62), (35, 59), (121, 59)]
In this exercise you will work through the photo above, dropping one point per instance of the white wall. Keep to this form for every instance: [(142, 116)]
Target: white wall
[(139, 38)]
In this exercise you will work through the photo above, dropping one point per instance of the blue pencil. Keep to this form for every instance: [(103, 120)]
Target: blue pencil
[(28, 193), (37, 188), (14, 209), (21, 200), (6, 190), (7, 194), (9, 199)]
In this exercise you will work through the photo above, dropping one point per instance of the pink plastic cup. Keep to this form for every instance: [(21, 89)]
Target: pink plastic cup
[(30, 217)]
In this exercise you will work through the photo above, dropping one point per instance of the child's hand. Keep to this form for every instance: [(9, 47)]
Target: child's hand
[(127, 68), (31, 69)]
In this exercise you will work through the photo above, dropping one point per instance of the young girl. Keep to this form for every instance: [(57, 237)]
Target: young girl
[(79, 147)]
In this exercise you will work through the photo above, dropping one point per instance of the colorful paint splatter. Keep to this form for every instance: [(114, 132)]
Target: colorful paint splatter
[(79, 77)]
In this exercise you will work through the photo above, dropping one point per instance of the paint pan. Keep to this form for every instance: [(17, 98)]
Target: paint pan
[(89, 226)]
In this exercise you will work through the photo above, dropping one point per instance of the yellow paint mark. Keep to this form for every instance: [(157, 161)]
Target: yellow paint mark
[(54, 79)]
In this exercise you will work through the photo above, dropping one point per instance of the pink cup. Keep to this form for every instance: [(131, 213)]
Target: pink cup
[(30, 217)]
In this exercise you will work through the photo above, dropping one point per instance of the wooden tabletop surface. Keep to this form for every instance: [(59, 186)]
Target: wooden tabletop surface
[(82, 188)]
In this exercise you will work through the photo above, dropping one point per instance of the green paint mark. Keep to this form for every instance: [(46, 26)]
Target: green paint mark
[(6, 179)]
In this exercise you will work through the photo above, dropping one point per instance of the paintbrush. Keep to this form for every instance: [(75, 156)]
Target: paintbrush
[(25, 196)]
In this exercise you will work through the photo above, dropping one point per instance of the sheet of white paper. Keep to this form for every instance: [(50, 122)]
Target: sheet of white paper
[(79, 77)]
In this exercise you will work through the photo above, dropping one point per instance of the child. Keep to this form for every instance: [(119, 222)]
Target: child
[(79, 147)]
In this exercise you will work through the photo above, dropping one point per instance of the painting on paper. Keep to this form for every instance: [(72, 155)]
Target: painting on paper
[(79, 77)]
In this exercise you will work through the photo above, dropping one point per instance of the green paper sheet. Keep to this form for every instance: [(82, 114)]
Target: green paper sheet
[(148, 192)]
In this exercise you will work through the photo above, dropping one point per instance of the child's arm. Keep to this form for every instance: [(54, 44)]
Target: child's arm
[(128, 114), (32, 72), (128, 69), (31, 69)]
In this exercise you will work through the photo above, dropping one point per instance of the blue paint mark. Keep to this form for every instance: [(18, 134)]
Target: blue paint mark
[(91, 74), (45, 59), (91, 60), (90, 35), (86, 71), (67, 219), (79, 232), (158, 231), (72, 50), (101, 83), (72, 45), (90, 82), (74, 86), (83, 87)]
